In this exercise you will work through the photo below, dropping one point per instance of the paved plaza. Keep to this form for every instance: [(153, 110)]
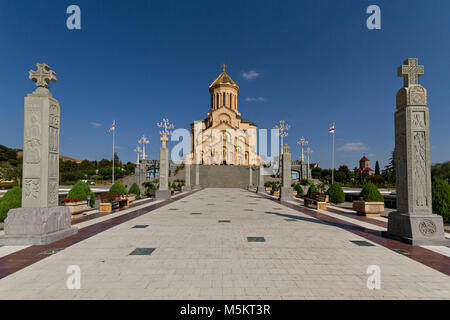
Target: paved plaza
[(202, 251)]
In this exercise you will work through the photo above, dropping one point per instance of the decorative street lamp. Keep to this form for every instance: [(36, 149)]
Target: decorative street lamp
[(166, 126), (282, 127), (138, 151), (143, 141), (302, 142)]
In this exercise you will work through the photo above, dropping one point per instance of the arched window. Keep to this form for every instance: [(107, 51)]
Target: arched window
[(223, 102)]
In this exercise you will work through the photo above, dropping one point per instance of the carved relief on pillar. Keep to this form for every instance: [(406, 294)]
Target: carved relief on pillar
[(54, 116), (53, 165), (33, 137), (418, 120), (420, 172), (53, 139), (31, 188), (417, 96), (53, 192)]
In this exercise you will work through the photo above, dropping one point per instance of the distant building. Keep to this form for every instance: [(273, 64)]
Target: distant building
[(364, 166)]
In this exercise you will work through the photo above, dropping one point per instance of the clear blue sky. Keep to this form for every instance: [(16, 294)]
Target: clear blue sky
[(138, 61)]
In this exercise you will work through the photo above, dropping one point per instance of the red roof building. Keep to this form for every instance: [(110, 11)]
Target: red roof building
[(364, 166)]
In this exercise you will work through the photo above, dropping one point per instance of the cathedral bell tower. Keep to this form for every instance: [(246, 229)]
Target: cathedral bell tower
[(224, 93)]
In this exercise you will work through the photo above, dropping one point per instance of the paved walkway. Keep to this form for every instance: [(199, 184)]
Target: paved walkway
[(198, 257)]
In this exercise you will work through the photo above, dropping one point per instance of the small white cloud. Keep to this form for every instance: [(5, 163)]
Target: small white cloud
[(353, 146), (250, 75), (96, 124), (254, 99)]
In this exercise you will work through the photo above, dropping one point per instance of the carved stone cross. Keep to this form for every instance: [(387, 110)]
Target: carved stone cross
[(410, 72), (43, 75)]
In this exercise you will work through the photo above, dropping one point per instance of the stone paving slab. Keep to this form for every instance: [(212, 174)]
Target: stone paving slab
[(196, 257)]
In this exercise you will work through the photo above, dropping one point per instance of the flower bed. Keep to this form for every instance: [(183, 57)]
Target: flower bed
[(75, 205)]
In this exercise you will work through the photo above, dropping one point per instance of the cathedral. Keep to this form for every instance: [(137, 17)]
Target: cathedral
[(223, 137)]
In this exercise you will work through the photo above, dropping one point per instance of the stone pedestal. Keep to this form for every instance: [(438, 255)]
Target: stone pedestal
[(261, 188), (250, 177), (286, 189), (305, 172), (187, 168), (37, 226), (197, 176), (163, 192), (414, 221), (417, 229), (40, 220)]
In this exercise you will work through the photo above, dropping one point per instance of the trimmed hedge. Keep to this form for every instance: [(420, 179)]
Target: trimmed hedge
[(336, 193), (12, 199), (299, 189), (441, 198), (370, 191), (81, 191), (135, 189), (118, 187), (312, 189)]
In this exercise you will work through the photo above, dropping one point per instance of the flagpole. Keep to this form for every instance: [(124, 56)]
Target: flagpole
[(332, 170), (114, 135)]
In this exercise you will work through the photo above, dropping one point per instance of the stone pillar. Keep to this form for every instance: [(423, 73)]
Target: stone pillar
[(197, 172), (413, 222), (187, 168), (286, 189), (261, 188), (163, 192), (40, 220), (250, 177)]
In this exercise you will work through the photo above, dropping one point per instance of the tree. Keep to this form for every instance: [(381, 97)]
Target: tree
[(377, 168), (441, 171), (441, 198), (389, 170), (316, 172)]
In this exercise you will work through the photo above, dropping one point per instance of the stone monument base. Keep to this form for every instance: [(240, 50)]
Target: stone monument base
[(37, 226), (416, 229), (261, 190), (162, 194), (286, 193), (197, 186), (187, 189)]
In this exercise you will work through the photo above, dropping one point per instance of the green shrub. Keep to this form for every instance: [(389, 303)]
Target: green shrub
[(312, 189), (370, 191), (135, 189), (441, 198), (336, 193), (81, 191), (299, 189), (12, 199), (304, 182), (118, 187)]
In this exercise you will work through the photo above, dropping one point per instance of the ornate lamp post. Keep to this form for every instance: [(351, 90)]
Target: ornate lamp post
[(308, 152), (282, 127), (166, 126), (302, 142), (143, 141), (138, 151)]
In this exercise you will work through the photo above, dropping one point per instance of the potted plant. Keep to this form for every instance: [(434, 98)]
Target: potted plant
[(335, 193), (75, 205), (371, 201), (77, 198)]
